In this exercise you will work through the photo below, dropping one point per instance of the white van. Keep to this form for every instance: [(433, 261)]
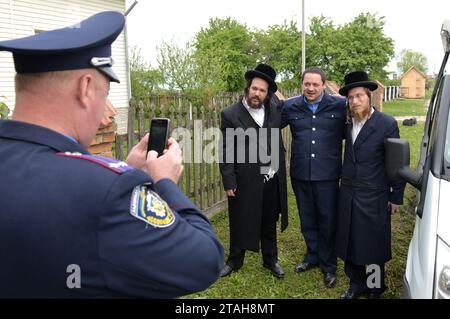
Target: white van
[(427, 272)]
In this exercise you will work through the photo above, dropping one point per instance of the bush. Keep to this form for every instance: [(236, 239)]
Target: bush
[(4, 110)]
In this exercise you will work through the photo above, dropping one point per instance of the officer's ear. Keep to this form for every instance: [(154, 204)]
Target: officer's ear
[(86, 89)]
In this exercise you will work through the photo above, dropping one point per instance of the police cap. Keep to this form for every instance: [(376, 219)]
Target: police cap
[(86, 44)]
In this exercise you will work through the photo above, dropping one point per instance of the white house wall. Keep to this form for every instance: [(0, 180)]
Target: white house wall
[(20, 18)]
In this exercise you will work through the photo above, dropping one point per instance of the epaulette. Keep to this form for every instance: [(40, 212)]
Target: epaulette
[(110, 163)]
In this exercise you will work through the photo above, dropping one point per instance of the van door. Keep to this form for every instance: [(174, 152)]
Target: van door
[(442, 271), (420, 268)]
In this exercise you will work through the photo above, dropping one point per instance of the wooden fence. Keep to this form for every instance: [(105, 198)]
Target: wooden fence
[(201, 179)]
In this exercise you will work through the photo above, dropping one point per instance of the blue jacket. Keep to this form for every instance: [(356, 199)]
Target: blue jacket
[(64, 213), (316, 138)]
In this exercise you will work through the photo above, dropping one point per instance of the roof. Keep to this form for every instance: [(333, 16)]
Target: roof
[(380, 84), (413, 68)]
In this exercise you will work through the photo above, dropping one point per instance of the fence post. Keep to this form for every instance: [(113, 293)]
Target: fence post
[(119, 147), (151, 111), (188, 147), (131, 117), (216, 172), (196, 165), (208, 156), (141, 119), (202, 163)]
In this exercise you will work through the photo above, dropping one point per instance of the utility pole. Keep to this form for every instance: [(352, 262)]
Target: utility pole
[(127, 57), (303, 38)]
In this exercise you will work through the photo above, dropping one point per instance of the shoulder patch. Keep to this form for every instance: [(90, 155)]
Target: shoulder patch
[(110, 163), (147, 206)]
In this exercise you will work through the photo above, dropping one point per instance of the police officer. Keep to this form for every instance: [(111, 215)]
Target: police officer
[(77, 225), (317, 122)]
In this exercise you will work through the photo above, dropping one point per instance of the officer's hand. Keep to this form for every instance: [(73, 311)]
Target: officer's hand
[(137, 156), (169, 165)]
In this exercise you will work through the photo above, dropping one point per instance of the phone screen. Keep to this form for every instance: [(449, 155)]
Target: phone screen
[(158, 135)]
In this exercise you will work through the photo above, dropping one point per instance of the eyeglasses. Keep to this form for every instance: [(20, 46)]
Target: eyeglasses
[(358, 96)]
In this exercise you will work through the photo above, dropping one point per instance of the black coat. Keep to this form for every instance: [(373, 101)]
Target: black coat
[(364, 222), (245, 210)]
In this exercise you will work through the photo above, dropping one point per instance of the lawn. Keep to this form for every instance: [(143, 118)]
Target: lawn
[(404, 107), (254, 281)]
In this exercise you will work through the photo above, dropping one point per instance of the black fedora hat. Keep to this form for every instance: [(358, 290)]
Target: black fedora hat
[(265, 72), (357, 79)]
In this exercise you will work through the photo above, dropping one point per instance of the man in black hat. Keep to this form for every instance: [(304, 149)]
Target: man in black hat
[(74, 225), (367, 197), (255, 184)]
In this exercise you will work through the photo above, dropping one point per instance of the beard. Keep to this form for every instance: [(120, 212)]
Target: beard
[(361, 113), (254, 102)]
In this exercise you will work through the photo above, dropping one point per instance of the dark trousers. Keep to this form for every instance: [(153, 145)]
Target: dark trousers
[(358, 277), (317, 204), (271, 200)]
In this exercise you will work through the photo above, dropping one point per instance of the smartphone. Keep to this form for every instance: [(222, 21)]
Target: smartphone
[(159, 133)]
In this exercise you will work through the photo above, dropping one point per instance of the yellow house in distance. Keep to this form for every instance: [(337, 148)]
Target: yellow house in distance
[(413, 84)]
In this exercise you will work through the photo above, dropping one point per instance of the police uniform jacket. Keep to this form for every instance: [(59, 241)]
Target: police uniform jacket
[(76, 225), (245, 210), (364, 221), (316, 137)]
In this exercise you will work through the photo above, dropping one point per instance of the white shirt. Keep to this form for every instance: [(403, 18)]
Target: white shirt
[(357, 126), (257, 114)]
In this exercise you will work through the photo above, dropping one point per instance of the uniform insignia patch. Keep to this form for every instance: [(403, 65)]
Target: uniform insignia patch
[(110, 163), (147, 206)]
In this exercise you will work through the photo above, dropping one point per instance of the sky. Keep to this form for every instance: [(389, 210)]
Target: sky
[(411, 24)]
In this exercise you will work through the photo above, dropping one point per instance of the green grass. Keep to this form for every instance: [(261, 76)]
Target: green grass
[(404, 107), (254, 281)]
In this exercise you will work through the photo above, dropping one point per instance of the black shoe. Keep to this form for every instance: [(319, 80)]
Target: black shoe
[(352, 294), (329, 280), (304, 266), (226, 271), (276, 270)]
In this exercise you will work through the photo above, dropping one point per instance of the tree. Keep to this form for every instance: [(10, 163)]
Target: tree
[(323, 48), (4, 110), (220, 54), (144, 79), (177, 66), (409, 58), (358, 45), (280, 47), (223, 52)]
